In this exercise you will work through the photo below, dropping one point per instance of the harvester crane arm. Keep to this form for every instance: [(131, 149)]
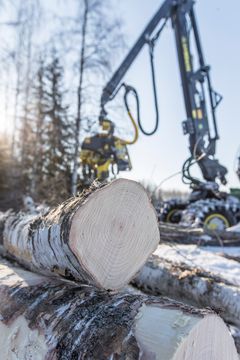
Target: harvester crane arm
[(199, 96), (113, 84)]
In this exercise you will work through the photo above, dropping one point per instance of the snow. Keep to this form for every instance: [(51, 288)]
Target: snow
[(230, 250), (29, 204), (31, 207), (205, 259), (235, 228)]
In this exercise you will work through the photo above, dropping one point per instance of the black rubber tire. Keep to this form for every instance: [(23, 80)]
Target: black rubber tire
[(211, 214), (223, 219), (171, 211)]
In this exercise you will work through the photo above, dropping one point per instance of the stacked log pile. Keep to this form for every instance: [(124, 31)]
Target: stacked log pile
[(161, 276), (172, 233), (61, 276), (45, 318)]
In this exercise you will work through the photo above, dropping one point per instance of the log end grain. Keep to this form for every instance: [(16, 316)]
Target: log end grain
[(170, 334), (114, 233)]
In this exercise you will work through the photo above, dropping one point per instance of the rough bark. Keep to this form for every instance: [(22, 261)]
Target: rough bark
[(190, 284), (185, 235), (46, 319), (102, 237)]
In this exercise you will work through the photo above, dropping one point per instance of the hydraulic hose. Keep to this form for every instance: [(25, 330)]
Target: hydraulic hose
[(128, 90), (149, 133)]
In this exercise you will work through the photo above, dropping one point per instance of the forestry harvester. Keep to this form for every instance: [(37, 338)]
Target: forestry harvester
[(104, 151)]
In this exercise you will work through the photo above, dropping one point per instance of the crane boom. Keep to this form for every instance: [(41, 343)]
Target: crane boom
[(114, 82)]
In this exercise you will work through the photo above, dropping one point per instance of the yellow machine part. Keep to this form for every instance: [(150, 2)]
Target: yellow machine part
[(106, 125), (120, 145), (136, 134), (91, 158), (103, 168), (97, 162), (170, 215)]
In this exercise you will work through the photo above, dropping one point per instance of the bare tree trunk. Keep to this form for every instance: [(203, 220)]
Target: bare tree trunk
[(17, 93), (201, 288), (38, 151), (79, 100), (103, 237), (44, 319), (6, 102), (25, 121)]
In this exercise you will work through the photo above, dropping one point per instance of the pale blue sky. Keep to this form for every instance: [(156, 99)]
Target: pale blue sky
[(156, 157)]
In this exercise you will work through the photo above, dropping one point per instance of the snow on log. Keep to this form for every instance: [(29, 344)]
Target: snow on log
[(46, 319), (235, 228), (195, 276), (202, 258), (102, 237)]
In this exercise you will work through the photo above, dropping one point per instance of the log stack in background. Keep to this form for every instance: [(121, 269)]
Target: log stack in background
[(190, 284), (178, 234), (195, 276)]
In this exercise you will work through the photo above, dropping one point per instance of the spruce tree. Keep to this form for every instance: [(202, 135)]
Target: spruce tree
[(57, 136)]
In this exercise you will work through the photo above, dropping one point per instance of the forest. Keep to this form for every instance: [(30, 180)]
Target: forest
[(55, 57)]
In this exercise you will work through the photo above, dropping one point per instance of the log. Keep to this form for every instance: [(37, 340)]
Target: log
[(179, 234), (203, 259), (46, 319), (235, 332), (102, 237), (182, 278)]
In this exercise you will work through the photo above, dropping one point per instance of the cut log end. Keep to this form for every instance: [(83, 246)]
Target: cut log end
[(170, 334), (18, 341), (114, 232)]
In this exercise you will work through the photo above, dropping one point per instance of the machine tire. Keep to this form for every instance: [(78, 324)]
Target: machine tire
[(170, 211), (211, 214), (218, 220)]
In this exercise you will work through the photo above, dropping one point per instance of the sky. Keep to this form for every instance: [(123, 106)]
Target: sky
[(157, 157)]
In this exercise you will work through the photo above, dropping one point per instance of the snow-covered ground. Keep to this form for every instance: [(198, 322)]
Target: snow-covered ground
[(230, 250), (235, 228), (204, 258)]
